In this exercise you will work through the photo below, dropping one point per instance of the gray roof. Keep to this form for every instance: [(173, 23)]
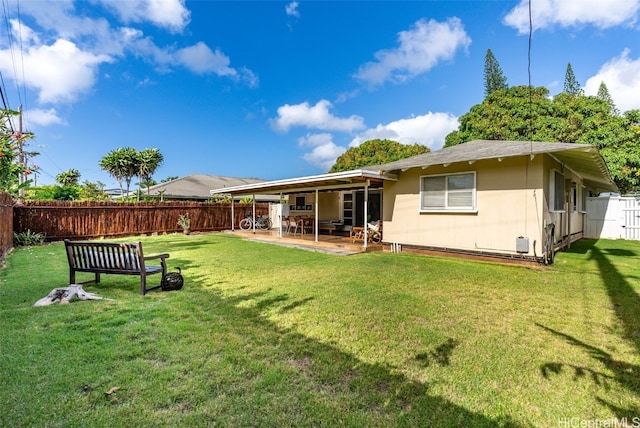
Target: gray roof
[(584, 159), (197, 186), (357, 178)]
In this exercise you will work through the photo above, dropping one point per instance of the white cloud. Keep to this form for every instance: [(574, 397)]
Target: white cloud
[(429, 130), (169, 14), (23, 33), (200, 59), (568, 13), (292, 9), (44, 117), (315, 140), (314, 117), (249, 77), (622, 77), (420, 49), (325, 151), (59, 72), (61, 58)]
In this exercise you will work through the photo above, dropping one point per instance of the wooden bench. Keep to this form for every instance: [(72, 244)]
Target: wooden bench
[(112, 258), (330, 226)]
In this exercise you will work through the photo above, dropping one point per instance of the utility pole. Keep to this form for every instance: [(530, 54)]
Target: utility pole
[(21, 156)]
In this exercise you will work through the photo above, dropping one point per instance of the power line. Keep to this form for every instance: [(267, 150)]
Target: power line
[(529, 74), (24, 85), (3, 88)]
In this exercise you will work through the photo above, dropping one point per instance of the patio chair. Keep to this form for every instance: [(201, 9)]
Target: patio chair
[(374, 232), (292, 224)]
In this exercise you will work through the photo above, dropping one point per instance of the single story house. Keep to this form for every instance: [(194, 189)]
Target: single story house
[(516, 199)]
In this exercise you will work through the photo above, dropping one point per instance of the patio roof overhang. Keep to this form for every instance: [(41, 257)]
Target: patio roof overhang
[(324, 182)]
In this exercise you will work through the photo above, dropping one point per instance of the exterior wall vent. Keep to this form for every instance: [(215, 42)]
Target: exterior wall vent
[(522, 244)]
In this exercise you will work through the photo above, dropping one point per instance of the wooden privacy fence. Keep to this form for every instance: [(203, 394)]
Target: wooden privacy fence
[(6, 223), (85, 220)]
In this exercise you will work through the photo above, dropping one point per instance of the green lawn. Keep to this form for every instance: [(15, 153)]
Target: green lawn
[(264, 335)]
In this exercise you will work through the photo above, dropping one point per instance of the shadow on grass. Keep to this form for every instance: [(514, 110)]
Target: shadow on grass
[(441, 355), (626, 304), (331, 380), (248, 371)]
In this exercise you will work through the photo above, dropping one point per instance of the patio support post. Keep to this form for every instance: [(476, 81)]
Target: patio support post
[(280, 217), (366, 207), (315, 220), (254, 213), (233, 216)]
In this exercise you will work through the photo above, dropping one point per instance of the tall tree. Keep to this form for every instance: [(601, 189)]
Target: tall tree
[(494, 79), (375, 152), (571, 85), (603, 94), (517, 113)]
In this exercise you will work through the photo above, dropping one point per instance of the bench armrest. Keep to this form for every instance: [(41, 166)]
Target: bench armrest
[(156, 256)]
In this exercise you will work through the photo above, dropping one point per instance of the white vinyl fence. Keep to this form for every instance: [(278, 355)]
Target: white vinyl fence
[(613, 217)]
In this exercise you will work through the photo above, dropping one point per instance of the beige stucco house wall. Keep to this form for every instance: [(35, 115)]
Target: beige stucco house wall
[(514, 199), (509, 204)]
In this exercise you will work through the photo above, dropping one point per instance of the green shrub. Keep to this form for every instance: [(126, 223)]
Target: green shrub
[(23, 239)]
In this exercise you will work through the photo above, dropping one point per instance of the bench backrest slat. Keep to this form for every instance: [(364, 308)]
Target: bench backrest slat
[(105, 256)]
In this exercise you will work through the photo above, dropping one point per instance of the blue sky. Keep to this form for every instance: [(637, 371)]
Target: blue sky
[(274, 89)]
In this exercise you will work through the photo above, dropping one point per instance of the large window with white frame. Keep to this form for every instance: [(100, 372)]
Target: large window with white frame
[(448, 192)]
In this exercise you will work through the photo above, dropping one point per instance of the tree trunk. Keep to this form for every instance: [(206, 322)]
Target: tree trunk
[(65, 294)]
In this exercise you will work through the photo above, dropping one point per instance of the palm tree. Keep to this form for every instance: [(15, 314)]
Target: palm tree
[(121, 164), (148, 162)]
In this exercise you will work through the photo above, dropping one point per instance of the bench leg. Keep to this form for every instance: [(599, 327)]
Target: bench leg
[(143, 285)]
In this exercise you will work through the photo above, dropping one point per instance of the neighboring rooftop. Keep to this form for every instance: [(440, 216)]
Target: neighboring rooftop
[(196, 186)]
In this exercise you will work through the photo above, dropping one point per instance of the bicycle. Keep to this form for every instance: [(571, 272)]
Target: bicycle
[(263, 222)]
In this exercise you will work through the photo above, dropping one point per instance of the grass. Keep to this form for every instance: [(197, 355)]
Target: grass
[(264, 335)]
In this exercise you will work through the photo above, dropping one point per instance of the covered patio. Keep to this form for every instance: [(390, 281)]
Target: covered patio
[(362, 182), (333, 244)]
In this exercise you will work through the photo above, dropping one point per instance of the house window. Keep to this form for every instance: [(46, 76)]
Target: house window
[(452, 192), (574, 196), (583, 199), (557, 191)]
